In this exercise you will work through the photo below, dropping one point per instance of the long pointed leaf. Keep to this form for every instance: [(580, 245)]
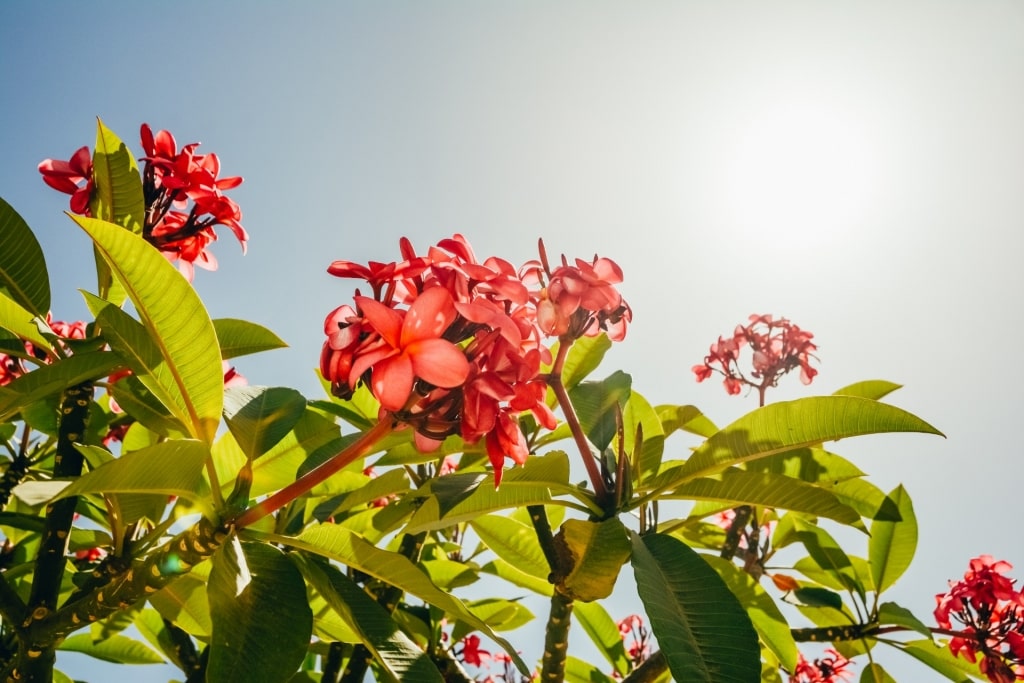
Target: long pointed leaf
[(259, 417), (22, 266), (783, 426), (241, 337), (54, 378), (769, 490), (702, 628), (893, 544), (175, 318), (19, 320)]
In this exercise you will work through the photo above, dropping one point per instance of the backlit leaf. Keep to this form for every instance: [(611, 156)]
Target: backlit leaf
[(892, 544), (175, 318), (702, 629), (22, 265), (241, 337)]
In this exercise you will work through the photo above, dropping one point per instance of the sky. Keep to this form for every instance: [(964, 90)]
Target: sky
[(855, 167)]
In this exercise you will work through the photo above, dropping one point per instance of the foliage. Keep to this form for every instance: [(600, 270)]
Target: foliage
[(343, 530)]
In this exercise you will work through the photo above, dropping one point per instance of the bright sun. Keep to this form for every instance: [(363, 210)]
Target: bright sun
[(800, 169)]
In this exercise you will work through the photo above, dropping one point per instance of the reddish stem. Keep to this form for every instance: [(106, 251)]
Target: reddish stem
[(317, 475), (555, 382)]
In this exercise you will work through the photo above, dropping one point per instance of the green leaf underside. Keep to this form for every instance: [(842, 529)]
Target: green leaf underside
[(17, 319), (340, 544), (394, 650), (875, 389), (259, 417), (769, 490), (117, 648), (514, 542), (702, 628), (54, 378), (175, 318), (783, 426), (604, 632), (764, 614), (241, 338), (939, 658), (262, 621), (22, 265), (171, 468), (892, 544)]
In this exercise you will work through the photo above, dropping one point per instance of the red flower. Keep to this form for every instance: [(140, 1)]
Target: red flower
[(411, 347), (777, 347), (471, 652), (638, 643), (73, 177), (991, 618), (828, 669)]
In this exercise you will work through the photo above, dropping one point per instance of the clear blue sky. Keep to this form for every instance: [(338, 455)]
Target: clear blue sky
[(856, 167)]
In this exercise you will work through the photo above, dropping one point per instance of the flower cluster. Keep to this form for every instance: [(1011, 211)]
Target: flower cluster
[(777, 345), (990, 613), (449, 344), (184, 197), (636, 639), (831, 668)]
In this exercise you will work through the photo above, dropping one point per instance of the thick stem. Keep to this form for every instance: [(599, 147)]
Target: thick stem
[(319, 474), (36, 656), (571, 419), (556, 639), (740, 520), (387, 598)]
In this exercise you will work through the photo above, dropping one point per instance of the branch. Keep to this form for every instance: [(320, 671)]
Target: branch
[(653, 668)]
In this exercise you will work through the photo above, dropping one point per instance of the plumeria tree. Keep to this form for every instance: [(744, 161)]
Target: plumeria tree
[(465, 437)]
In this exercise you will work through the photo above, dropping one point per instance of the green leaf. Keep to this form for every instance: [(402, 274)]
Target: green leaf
[(769, 490), (891, 613), (20, 321), (594, 553), (702, 628), (176, 321), (54, 378), (139, 402), (262, 621), (241, 337), (685, 418), (532, 484), (117, 198), (867, 499), (583, 358), (939, 658), (604, 632), (875, 389), (183, 602), (117, 648), (259, 417), (340, 544), (512, 574), (22, 265), (514, 542), (392, 648), (828, 555), (874, 673), (764, 614), (818, 597), (130, 339), (639, 413), (170, 468), (809, 568), (892, 544), (813, 465), (783, 426), (578, 671), (597, 403)]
